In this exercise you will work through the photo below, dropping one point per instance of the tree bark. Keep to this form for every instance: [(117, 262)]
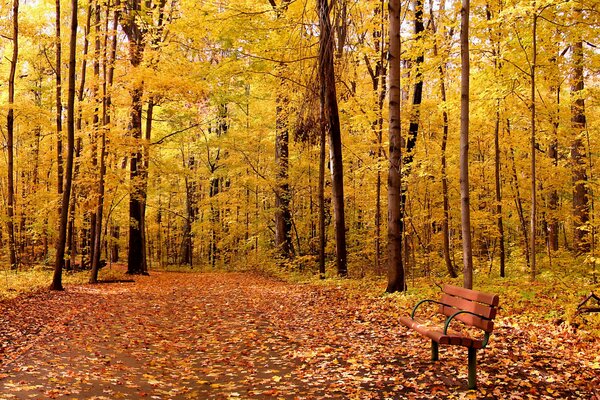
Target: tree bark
[(464, 146), (329, 105), (533, 216), (444, 165), (10, 123), (396, 280), (135, 34), (64, 215), (283, 216), (581, 212), (59, 108)]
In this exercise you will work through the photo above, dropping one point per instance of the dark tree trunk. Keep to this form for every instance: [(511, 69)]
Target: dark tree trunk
[(329, 106), (106, 102), (283, 216), (581, 211), (321, 195), (135, 34), (64, 215), (10, 123), (187, 248), (135, 256)]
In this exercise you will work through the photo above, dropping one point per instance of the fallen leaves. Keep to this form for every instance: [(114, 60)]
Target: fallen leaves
[(227, 336)]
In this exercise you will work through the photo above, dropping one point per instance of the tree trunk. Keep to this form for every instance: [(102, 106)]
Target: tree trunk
[(59, 108), (328, 98), (135, 34), (497, 168), (64, 215), (106, 87), (10, 123), (321, 195), (283, 216), (553, 155), (464, 146), (581, 212), (533, 216), (444, 166), (396, 281)]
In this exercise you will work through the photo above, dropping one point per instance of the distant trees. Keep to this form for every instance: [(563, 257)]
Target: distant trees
[(178, 106)]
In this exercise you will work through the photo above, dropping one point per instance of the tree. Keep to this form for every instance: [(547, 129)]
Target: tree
[(283, 216), (66, 195), (331, 122), (581, 212), (464, 145), (136, 36), (445, 131), (533, 148), (10, 124), (396, 281)]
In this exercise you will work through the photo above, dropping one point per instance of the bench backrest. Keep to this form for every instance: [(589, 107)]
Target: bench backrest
[(483, 305)]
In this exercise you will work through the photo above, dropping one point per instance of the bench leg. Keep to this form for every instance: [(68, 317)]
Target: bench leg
[(435, 355), (472, 368)]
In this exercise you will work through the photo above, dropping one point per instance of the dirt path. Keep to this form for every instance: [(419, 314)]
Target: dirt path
[(203, 336)]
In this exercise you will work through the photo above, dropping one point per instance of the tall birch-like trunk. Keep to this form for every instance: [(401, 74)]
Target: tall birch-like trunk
[(64, 215), (396, 280)]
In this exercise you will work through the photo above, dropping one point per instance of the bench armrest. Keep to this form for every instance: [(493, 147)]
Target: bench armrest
[(412, 314), (486, 336)]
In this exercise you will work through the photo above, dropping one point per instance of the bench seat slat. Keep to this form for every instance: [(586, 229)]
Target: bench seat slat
[(459, 303), (438, 336), (473, 295)]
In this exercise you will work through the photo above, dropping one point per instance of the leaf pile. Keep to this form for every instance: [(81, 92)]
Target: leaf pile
[(223, 336)]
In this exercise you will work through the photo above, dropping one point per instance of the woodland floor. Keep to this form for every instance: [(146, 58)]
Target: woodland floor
[(234, 335)]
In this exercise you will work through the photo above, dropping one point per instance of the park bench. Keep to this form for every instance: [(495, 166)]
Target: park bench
[(472, 308)]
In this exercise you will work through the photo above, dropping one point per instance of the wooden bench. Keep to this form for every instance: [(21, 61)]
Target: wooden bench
[(473, 308)]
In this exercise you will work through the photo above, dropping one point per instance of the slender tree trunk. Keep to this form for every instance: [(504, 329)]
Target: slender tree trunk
[(519, 201), (71, 235), (108, 72), (329, 104), (553, 155), (64, 215), (321, 195), (444, 165), (464, 146), (396, 281), (10, 123), (283, 216), (497, 168), (581, 212), (533, 216), (59, 108)]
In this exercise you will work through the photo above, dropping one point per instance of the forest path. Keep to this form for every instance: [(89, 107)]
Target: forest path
[(233, 335)]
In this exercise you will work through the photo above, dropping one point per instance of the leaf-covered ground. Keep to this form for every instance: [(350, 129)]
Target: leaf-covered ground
[(233, 335)]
